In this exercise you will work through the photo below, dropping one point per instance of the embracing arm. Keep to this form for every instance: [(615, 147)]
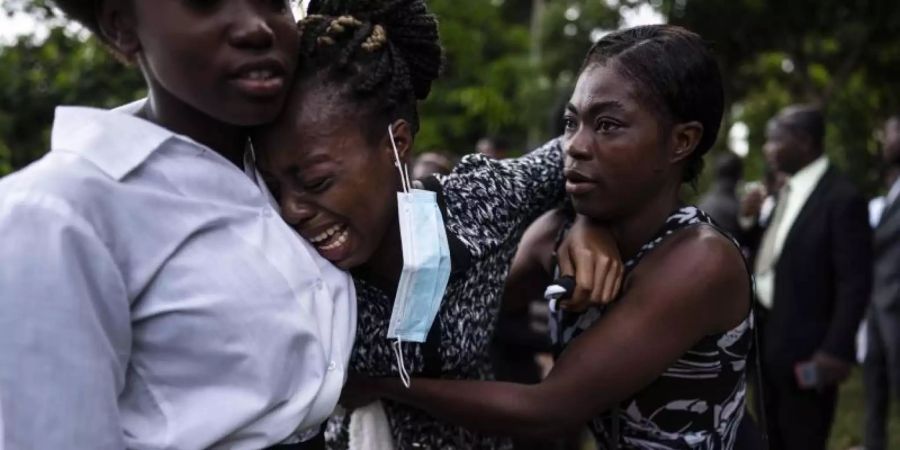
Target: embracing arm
[(64, 330), (689, 288), (531, 269)]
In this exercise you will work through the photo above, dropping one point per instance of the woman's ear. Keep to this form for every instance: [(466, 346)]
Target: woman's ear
[(401, 133), (685, 137), (118, 25)]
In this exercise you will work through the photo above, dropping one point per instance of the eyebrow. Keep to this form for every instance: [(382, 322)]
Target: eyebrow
[(598, 107)]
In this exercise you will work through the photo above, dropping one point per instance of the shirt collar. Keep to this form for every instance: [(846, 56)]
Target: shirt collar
[(808, 177), (893, 193), (116, 141)]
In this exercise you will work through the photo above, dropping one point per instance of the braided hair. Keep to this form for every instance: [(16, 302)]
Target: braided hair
[(386, 53)]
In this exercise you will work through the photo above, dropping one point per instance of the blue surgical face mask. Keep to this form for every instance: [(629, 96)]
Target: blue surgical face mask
[(426, 265)]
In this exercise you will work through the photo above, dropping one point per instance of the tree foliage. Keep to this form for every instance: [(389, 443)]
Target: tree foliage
[(840, 55), (511, 64), (62, 69), (493, 84)]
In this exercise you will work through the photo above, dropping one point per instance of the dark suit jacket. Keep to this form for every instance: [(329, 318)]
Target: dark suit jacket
[(823, 278), (723, 206), (886, 285)]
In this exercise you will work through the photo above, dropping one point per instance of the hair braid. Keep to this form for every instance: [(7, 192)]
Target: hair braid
[(386, 52)]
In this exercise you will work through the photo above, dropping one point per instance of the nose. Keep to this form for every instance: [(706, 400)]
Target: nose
[(295, 211), (576, 147), (250, 28)]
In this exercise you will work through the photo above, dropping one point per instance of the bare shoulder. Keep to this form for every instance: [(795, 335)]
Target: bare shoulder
[(701, 267)]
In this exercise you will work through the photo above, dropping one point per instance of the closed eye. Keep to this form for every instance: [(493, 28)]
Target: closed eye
[(317, 186)]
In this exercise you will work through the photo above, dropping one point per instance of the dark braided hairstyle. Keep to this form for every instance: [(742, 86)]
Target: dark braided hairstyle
[(677, 73), (385, 53)]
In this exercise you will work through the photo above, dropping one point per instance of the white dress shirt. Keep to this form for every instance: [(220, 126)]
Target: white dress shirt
[(802, 184), (152, 298), (893, 193)]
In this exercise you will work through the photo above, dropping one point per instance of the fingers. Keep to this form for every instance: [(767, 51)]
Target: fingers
[(619, 277), (613, 281), (564, 261), (598, 278), (600, 291), (584, 265)]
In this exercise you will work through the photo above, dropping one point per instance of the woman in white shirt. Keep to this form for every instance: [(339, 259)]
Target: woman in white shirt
[(150, 295)]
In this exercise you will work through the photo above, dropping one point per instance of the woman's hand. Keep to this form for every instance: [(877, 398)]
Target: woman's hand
[(590, 255)]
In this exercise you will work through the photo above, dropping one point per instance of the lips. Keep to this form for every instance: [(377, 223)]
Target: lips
[(260, 78), (578, 183)]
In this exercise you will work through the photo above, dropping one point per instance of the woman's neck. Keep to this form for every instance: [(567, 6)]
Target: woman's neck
[(383, 269), (173, 114), (633, 231)]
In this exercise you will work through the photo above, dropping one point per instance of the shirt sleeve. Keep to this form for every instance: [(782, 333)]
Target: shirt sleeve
[(493, 200), (64, 329)]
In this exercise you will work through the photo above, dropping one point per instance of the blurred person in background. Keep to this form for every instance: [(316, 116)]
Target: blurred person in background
[(756, 206), (493, 147), (431, 163), (813, 277), (881, 366), (721, 202)]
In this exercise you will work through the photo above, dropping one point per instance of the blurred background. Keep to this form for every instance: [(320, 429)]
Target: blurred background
[(511, 65), (510, 68)]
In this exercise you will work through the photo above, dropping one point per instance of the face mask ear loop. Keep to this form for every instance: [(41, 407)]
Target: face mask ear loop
[(401, 366), (404, 171)]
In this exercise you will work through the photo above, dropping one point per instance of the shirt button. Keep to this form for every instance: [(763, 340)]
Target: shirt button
[(266, 212), (319, 284), (332, 365)]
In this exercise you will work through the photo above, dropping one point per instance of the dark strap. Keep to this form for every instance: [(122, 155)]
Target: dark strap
[(760, 395), (460, 256), (431, 351)]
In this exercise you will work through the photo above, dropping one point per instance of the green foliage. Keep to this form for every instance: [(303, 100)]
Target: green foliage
[(61, 70), (841, 55), (500, 78)]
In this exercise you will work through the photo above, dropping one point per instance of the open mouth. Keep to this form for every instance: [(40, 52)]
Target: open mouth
[(331, 239), (262, 79)]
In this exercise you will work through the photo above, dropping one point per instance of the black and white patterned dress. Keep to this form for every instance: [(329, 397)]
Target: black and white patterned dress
[(487, 205), (698, 402)]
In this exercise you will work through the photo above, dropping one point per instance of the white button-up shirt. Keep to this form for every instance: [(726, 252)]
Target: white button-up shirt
[(802, 185), (152, 298)]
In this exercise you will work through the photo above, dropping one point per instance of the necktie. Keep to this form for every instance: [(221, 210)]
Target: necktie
[(765, 260)]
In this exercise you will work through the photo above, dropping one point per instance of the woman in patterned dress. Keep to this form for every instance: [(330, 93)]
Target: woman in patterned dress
[(663, 367), (363, 66)]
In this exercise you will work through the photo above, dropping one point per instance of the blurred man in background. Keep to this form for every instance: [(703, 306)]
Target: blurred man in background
[(493, 147), (431, 163), (721, 202), (881, 367), (813, 275)]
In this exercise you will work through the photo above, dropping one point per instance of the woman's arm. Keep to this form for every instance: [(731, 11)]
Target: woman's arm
[(694, 285), (66, 329), (532, 266)]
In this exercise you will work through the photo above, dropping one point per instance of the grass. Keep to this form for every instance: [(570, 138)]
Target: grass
[(847, 430)]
